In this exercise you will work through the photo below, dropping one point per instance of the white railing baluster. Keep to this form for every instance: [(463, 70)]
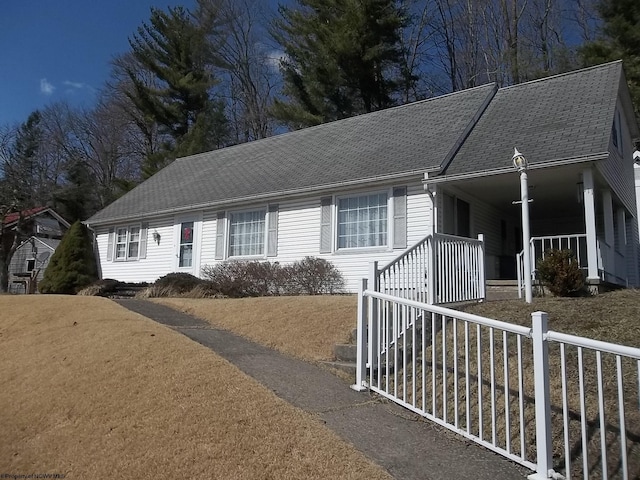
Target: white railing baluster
[(507, 404), (621, 418), (601, 415), (445, 387), (565, 412), (492, 364), (454, 327), (583, 415), (433, 364), (480, 411), (521, 399), (467, 371)]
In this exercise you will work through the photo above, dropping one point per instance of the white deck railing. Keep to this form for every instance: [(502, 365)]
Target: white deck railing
[(439, 269), (530, 394), (577, 243)]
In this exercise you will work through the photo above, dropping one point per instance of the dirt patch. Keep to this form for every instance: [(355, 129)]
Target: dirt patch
[(90, 389), (306, 327)]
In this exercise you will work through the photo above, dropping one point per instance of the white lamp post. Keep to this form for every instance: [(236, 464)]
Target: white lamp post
[(520, 164)]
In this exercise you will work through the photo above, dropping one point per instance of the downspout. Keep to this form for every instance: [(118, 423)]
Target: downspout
[(431, 190)]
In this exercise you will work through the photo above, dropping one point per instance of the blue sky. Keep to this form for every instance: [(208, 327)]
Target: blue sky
[(55, 50)]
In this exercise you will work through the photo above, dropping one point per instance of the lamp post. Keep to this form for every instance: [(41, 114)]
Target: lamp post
[(520, 164)]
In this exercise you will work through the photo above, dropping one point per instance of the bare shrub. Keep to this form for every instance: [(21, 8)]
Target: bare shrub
[(315, 276), (310, 276)]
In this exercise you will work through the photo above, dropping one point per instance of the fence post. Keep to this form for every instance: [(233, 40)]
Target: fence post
[(544, 447), (431, 271), (361, 366), (481, 272), (372, 309)]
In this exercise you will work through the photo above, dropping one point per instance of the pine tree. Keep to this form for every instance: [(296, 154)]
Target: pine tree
[(73, 264), (173, 49), (342, 58), (621, 40)]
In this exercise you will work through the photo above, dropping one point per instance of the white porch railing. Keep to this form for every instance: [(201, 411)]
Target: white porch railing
[(577, 243), (535, 396), (439, 269)]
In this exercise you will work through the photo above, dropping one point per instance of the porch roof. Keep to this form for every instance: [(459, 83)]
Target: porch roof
[(558, 119)]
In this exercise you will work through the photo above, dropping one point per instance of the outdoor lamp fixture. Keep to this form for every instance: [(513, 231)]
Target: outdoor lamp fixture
[(156, 237), (521, 165), (519, 162)]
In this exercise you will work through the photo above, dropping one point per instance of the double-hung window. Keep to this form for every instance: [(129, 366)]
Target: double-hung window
[(127, 243), (363, 221), (247, 233)]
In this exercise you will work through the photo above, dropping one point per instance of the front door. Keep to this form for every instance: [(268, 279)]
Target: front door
[(186, 243)]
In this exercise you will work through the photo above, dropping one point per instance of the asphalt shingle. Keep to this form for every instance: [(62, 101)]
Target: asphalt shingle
[(400, 140), (556, 118)]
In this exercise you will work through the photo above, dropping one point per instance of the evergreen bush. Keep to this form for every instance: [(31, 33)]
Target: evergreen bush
[(560, 273), (73, 264)]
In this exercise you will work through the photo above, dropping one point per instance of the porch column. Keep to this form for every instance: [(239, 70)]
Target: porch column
[(609, 235), (590, 224)]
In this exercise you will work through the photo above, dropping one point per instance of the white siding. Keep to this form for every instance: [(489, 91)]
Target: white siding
[(298, 236), (618, 168), (160, 258)]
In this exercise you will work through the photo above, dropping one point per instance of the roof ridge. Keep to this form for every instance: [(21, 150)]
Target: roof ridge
[(368, 114), (563, 74)]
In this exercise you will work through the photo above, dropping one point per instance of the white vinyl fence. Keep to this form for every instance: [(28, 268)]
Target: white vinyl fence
[(538, 397)]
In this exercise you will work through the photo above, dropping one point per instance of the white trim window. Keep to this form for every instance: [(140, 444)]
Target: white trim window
[(363, 221), (127, 243), (247, 233)]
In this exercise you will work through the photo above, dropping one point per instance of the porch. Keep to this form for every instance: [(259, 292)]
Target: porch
[(572, 207)]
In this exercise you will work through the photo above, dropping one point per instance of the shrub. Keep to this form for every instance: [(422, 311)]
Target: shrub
[(560, 273), (243, 279), (310, 276), (73, 264), (178, 282), (315, 276)]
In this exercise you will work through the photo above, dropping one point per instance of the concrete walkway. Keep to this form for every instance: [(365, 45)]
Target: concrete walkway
[(406, 445)]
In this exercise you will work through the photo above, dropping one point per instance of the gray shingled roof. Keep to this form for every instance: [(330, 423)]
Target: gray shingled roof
[(557, 118), (564, 117), (402, 140)]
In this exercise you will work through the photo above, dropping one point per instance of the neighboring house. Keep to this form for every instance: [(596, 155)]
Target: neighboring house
[(45, 228), (368, 187)]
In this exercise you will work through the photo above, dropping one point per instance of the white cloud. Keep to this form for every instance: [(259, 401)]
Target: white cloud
[(77, 85), (46, 88)]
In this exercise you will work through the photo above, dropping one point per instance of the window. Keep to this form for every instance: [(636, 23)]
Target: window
[(31, 264), (362, 221), (186, 245), (127, 243), (247, 233)]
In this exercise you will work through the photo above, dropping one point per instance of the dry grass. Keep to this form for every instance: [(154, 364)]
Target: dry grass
[(304, 327), (91, 390)]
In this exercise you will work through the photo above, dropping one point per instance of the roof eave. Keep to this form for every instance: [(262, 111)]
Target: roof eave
[(499, 171), (265, 196)]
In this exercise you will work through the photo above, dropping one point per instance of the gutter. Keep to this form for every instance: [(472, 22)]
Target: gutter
[(264, 196), (499, 171)]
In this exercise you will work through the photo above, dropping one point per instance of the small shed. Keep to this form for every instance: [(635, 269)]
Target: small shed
[(29, 262)]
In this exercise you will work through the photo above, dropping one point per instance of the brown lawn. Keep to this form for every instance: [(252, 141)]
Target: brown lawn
[(91, 390), (304, 327)]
